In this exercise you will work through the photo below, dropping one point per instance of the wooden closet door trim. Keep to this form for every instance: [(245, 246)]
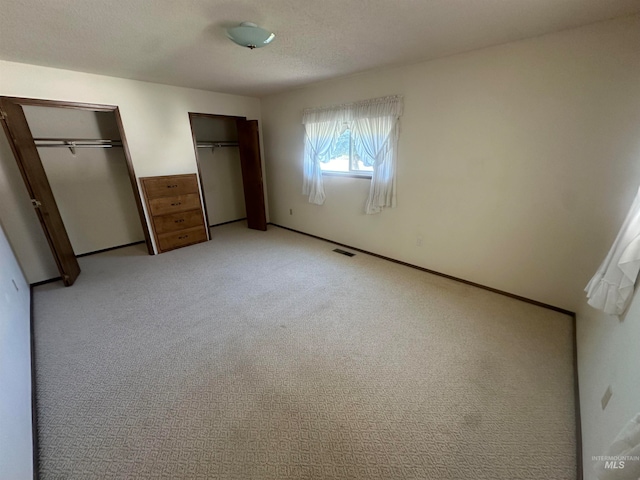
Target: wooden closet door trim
[(96, 107), (134, 183), (252, 181), (192, 115), (38, 102), (35, 178)]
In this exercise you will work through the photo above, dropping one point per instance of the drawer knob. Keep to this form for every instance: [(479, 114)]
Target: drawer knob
[(180, 221), (172, 186), (183, 237), (176, 204)]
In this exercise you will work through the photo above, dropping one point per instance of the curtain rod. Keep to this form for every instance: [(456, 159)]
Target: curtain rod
[(359, 103)]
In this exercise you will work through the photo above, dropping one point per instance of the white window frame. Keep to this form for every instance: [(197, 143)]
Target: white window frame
[(351, 173)]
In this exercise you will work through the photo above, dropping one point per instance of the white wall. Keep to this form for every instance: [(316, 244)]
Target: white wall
[(156, 124), (16, 452), (510, 160), (608, 355)]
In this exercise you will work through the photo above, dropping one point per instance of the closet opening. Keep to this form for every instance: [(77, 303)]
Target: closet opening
[(230, 169), (75, 163)]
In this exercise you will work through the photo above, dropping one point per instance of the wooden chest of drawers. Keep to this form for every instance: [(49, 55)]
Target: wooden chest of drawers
[(173, 202)]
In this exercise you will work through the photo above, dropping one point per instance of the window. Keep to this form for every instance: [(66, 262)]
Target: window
[(342, 158), (345, 139)]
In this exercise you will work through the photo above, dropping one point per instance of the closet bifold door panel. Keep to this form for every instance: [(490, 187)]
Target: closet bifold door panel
[(249, 147), (22, 144)]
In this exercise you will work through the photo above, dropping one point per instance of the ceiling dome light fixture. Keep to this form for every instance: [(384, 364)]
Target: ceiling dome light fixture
[(250, 35)]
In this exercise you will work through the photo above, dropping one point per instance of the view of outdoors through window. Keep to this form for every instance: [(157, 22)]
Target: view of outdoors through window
[(343, 158)]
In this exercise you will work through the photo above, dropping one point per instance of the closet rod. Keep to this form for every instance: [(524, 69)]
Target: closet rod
[(72, 144), (65, 141), (79, 145), (216, 144)]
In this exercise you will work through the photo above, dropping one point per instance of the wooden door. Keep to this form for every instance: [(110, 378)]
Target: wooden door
[(15, 125), (249, 146)]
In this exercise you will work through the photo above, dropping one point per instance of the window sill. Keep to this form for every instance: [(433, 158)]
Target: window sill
[(349, 174)]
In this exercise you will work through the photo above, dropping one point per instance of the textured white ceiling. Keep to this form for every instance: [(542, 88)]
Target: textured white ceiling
[(182, 42)]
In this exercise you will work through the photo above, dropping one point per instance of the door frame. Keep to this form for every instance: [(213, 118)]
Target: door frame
[(18, 155), (193, 115)]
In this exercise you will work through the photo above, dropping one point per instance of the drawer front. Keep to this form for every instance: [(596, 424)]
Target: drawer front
[(170, 186), (178, 221), (178, 203), (169, 241)]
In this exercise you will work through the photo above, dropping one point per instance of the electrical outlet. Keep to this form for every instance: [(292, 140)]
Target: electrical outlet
[(291, 211), (419, 241), (606, 397)]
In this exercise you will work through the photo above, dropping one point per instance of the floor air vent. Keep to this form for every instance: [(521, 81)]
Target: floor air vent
[(344, 252)]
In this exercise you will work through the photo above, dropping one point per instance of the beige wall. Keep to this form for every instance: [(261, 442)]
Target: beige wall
[(156, 123), (510, 160)]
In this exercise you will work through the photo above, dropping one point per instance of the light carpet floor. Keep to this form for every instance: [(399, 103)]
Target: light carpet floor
[(265, 355)]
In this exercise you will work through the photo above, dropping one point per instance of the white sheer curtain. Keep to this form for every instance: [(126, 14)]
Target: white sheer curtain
[(374, 130), (319, 137), (611, 288), (375, 139)]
